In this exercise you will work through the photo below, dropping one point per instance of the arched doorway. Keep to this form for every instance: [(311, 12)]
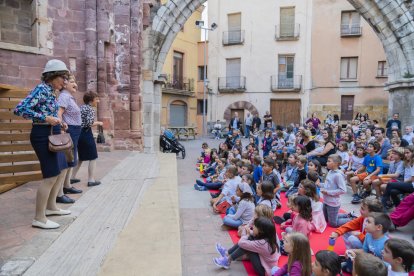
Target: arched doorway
[(391, 20), (177, 114)]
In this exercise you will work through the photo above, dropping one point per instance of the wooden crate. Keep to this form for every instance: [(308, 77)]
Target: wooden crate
[(18, 162)]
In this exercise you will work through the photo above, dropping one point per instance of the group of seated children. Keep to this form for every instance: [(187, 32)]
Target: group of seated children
[(249, 193)]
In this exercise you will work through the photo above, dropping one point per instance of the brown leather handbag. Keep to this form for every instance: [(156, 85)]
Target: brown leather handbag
[(61, 143)]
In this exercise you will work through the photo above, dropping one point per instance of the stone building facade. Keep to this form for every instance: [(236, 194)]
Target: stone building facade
[(99, 40)]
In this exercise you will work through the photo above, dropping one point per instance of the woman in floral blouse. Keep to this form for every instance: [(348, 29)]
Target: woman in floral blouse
[(41, 107), (86, 144)]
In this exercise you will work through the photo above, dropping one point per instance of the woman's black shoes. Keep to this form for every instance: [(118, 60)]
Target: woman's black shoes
[(64, 199), (74, 180), (72, 190), (93, 183)]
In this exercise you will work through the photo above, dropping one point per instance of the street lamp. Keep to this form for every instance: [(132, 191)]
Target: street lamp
[(200, 25)]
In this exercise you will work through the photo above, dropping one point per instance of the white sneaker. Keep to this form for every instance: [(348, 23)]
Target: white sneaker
[(48, 225), (59, 212)]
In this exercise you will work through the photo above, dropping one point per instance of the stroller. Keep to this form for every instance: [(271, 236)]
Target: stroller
[(169, 143)]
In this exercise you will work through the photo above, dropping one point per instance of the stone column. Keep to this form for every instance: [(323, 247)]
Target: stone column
[(401, 100)]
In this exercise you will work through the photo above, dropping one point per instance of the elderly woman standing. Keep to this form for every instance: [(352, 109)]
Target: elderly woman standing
[(86, 145), (41, 107), (69, 113)]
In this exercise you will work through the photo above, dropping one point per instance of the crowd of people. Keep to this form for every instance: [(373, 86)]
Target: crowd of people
[(52, 107), (311, 165)]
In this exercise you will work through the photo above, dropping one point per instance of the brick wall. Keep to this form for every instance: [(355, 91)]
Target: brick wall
[(15, 22)]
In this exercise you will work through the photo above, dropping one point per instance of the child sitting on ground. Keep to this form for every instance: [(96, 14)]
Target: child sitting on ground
[(261, 247), (377, 224), (369, 171), (299, 262), (291, 173), (332, 189), (215, 181), (302, 221), (300, 163), (353, 232), (229, 188), (260, 211), (257, 172), (243, 211), (355, 163), (308, 188), (399, 254), (368, 265), (268, 175), (265, 192), (395, 172), (343, 153), (327, 263)]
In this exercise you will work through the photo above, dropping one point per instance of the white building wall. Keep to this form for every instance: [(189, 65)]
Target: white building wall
[(259, 53)]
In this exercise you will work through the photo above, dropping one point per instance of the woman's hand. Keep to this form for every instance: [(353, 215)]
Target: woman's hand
[(52, 120), (64, 126)]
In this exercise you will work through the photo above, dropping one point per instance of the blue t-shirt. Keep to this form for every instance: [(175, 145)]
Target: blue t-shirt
[(371, 163), (257, 173), (373, 246)]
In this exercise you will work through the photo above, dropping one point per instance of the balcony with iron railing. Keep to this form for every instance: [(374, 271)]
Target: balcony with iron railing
[(233, 38), (351, 30), (232, 84), (283, 83), (286, 32), (178, 86)]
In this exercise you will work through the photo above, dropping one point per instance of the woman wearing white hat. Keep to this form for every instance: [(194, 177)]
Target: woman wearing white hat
[(42, 108)]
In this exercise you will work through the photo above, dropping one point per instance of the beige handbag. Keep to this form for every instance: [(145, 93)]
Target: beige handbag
[(61, 143)]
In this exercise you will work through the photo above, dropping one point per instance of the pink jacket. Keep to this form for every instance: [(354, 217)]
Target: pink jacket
[(303, 226), (318, 218), (262, 248)]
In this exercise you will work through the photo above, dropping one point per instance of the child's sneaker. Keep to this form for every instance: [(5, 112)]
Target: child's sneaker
[(221, 250), (199, 188), (222, 262), (365, 194), (356, 199), (352, 215)]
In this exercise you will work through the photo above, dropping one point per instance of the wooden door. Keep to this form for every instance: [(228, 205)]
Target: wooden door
[(285, 112), (347, 107)]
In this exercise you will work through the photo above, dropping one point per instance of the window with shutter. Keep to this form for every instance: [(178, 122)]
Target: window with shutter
[(382, 69), (350, 23), (287, 22), (234, 27), (286, 71), (349, 68), (178, 76), (233, 68)]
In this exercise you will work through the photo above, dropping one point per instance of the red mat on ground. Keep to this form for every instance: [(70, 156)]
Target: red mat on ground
[(317, 241)]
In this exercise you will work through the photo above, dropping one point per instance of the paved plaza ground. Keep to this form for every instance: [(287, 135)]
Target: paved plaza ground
[(146, 212)]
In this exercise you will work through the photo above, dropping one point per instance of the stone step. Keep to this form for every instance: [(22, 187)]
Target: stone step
[(101, 215)]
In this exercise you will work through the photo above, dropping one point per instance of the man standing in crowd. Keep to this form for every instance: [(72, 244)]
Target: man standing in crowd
[(248, 125), (393, 124), (235, 122), (409, 135), (256, 120)]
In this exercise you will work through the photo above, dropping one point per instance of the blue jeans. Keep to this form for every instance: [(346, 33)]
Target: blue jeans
[(331, 216), (395, 189), (351, 241), (247, 131), (210, 185), (232, 222)]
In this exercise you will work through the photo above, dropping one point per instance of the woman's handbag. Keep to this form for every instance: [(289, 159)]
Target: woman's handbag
[(101, 137), (61, 143)]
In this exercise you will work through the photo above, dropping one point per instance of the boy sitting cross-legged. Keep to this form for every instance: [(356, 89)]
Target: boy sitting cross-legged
[(377, 224), (229, 188), (371, 167)]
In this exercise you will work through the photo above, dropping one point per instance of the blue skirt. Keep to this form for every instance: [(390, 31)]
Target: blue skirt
[(74, 132), (86, 145), (51, 163)]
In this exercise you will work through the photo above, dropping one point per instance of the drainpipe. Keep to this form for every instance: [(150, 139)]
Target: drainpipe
[(90, 46)]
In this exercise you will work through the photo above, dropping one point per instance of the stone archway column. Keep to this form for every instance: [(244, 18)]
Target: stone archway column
[(401, 100)]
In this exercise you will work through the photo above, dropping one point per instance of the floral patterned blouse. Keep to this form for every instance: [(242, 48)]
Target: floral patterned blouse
[(41, 102), (87, 115)]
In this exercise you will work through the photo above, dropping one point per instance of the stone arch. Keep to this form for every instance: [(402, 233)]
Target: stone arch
[(239, 105), (390, 19)]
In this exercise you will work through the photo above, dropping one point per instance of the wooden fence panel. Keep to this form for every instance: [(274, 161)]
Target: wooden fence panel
[(18, 162)]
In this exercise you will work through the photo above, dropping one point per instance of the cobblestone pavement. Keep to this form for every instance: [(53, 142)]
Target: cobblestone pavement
[(200, 228)]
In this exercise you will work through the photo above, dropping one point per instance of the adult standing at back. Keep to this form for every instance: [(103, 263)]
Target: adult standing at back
[(235, 122), (42, 108), (409, 135), (256, 120), (314, 120), (248, 125), (69, 113), (392, 124), (86, 145), (267, 118)]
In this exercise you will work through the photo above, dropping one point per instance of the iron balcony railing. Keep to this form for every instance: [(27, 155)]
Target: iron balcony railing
[(233, 37), (287, 32), (237, 83), (179, 83), (351, 30), (283, 82)]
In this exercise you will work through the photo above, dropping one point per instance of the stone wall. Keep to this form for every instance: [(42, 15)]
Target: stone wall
[(16, 21), (100, 41), (375, 112)]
